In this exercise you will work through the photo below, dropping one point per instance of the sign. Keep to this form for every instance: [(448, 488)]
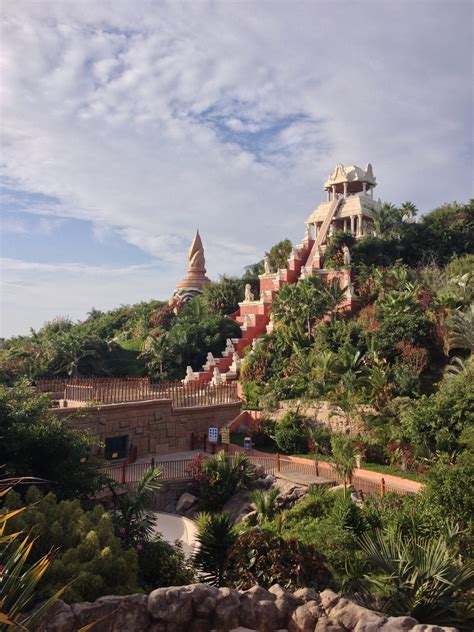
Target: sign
[(225, 435), (213, 435), (247, 443)]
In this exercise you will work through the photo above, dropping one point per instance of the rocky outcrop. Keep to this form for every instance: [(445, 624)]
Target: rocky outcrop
[(202, 608)]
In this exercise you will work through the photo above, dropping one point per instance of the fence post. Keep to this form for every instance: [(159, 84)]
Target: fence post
[(124, 472), (152, 462), (382, 487), (278, 461), (317, 467)]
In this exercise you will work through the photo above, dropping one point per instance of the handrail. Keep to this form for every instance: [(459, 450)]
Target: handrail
[(321, 236)]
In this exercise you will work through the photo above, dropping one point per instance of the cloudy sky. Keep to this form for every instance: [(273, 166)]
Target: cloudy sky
[(127, 124)]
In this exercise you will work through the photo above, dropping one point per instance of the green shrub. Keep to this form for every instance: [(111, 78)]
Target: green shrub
[(290, 434), (258, 557), (219, 478), (89, 554), (163, 564)]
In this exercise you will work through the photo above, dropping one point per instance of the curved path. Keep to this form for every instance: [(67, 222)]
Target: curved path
[(174, 528)]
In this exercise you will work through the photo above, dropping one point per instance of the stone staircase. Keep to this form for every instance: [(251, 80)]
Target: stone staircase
[(254, 320)]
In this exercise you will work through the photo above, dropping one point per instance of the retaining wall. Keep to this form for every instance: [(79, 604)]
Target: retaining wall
[(153, 427)]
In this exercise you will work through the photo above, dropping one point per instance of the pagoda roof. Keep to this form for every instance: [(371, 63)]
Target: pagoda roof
[(350, 173)]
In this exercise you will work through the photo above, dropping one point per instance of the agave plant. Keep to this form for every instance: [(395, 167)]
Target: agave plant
[(420, 576), (265, 504), (18, 579)]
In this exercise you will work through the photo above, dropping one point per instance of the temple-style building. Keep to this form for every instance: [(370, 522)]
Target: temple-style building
[(350, 207), (191, 285)]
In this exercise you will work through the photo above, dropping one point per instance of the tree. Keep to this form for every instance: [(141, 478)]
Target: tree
[(215, 537), (36, 442), (265, 504), (224, 296), (299, 307), (344, 458), (133, 515)]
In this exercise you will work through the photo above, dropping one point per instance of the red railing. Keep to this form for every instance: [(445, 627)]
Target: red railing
[(180, 469), (122, 390), (133, 472)]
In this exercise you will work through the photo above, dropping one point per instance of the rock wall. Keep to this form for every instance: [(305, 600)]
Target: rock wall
[(202, 608)]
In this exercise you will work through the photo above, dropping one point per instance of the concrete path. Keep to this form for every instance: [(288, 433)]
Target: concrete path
[(174, 528)]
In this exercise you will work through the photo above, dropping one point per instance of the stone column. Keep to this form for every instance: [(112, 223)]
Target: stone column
[(333, 188), (329, 195), (345, 189), (352, 224), (364, 187)]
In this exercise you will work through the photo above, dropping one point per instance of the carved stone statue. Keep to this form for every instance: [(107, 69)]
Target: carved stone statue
[(248, 297), (266, 265), (216, 378), (347, 255)]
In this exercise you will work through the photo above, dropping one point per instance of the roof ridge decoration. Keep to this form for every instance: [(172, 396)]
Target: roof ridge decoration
[(197, 261)]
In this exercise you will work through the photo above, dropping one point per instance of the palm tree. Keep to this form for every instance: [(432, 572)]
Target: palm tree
[(215, 537), (344, 458), (422, 574), (154, 350), (133, 514), (265, 504)]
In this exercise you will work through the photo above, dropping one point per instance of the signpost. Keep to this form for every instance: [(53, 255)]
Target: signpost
[(213, 437), (225, 435)]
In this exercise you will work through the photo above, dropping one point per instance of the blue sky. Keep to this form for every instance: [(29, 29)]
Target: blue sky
[(126, 125)]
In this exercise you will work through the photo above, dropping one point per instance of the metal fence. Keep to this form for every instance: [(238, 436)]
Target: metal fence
[(133, 472), (182, 469)]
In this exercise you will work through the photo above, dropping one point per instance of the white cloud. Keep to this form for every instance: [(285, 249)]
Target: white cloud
[(119, 109)]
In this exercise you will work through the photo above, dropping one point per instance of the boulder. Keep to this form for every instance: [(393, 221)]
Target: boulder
[(398, 624), (258, 610), (286, 602), (355, 617), (61, 618), (186, 501), (425, 627), (305, 617), (204, 599), (200, 625), (226, 612), (171, 605), (116, 613), (328, 599), (306, 594), (326, 625), (238, 506)]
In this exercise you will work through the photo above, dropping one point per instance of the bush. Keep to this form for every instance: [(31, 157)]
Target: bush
[(450, 490), (290, 434), (163, 564), (89, 552), (320, 439), (218, 478), (258, 557)]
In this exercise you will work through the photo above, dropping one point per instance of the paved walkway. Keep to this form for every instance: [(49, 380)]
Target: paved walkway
[(174, 528)]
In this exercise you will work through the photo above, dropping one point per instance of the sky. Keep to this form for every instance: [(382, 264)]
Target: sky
[(126, 125)]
